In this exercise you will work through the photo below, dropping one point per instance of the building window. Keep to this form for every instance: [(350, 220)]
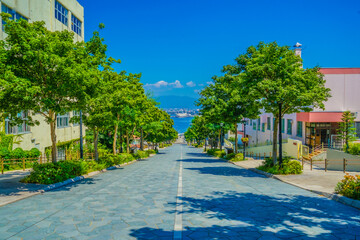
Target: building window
[(76, 114), (357, 128), (76, 25), (258, 124), (254, 125), (61, 13), (282, 125), (289, 127), (263, 127), (251, 122), (18, 129), (62, 120), (299, 129), (14, 15), (268, 123)]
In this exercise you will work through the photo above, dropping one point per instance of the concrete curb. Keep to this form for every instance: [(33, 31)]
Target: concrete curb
[(332, 196)]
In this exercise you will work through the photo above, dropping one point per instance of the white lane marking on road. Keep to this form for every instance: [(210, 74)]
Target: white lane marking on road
[(178, 210)]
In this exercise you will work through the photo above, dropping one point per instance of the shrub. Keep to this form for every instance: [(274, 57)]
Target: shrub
[(230, 156), (112, 160), (141, 154), (49, 173), (33, 153), (216, 152), (354, 149), (18, 153), (151, 151), (5, 153), (349, 186), (238, 157), (288, 166)]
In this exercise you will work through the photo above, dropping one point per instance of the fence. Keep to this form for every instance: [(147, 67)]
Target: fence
[(344, 163)]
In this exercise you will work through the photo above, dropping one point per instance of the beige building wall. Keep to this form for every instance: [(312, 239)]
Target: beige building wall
[(39, 136), (44, 10)]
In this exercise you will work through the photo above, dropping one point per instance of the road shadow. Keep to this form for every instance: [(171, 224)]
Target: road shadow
[(10, 184), (234, 215), (226, 171), (202, 160), (71, 186)]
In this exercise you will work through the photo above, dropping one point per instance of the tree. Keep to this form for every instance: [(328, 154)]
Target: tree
[(229, 100), (346, 130), (52, 74), (274, 75)]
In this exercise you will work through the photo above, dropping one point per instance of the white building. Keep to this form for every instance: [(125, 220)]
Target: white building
[(58, 15)]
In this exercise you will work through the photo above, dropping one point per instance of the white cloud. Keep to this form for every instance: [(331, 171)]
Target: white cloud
[(176, 84), (201, 84), (197, 91), (162, 83), (190, 84), (209, 83)]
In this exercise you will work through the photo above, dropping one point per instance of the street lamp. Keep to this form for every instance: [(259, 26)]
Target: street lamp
[(81, 138)]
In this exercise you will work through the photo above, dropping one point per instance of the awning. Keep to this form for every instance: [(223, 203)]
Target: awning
[(319, 116)]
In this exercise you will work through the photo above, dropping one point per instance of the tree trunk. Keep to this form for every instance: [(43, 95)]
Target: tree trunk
[(127, 142), (115, 138), (142, 140), (96, 137), (52, 116), (219, 138), (236, 139), (274, 155), (115, 134)]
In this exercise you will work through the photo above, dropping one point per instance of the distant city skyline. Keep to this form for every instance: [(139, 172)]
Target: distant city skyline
[(179, 45)]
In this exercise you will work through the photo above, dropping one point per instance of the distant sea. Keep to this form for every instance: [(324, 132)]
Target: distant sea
[(181, 124)]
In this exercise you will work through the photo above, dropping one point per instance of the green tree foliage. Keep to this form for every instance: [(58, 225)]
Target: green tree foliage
[(346, 130), (274, 76), (44, 73), (228, 100)]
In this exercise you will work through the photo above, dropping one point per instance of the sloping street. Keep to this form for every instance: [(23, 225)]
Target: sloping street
[(216, 200)]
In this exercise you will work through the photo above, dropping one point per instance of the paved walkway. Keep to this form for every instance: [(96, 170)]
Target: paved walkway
[(316, 180), (217, 200), (12, 190)]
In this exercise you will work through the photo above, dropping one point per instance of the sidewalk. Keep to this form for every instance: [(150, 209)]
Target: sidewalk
[(316, 180), (12, 190)]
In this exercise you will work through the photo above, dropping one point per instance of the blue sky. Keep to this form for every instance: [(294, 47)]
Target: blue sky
[(178, 45)]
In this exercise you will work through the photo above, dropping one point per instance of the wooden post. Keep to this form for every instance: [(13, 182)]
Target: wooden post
[(2, 166), (344, 164), (264, 156), (311, 164), (302, 162), (23, 164), (326, 163)]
